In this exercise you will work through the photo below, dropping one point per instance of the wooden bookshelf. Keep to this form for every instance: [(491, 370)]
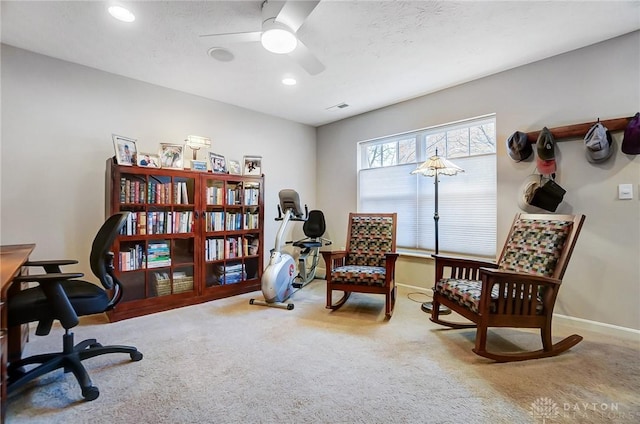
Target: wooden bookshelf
[(192, 236)]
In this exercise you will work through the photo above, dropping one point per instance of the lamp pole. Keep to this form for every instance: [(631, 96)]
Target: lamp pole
[(433, 167), (436, 217)]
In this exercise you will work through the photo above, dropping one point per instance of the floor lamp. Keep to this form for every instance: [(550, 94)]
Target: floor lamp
[(434, 167)]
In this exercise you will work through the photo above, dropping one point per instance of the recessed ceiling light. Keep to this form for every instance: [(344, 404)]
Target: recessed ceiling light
[(220, 54), (121, 14), (289, 81)]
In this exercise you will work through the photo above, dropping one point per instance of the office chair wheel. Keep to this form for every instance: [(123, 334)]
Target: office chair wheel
[(290, 306), (90, 393), (136, 356)]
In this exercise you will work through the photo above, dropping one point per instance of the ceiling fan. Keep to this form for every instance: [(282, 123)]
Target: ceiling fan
[(280, 22)]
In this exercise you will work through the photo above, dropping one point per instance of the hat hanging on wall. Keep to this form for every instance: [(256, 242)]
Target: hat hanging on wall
[(526, 191), (599, 144), (518, 146), (631, 141), (545, 146), (539, 193)]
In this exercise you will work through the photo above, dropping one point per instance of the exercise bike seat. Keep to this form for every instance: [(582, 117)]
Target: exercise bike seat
[(314, 228)]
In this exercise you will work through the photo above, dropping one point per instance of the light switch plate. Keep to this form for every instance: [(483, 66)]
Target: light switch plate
[(625, 191)]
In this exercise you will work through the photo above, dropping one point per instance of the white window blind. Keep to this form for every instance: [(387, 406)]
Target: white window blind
[(466, 201)]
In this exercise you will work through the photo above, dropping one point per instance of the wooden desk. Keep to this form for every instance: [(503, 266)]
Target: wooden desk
[(12, 259)]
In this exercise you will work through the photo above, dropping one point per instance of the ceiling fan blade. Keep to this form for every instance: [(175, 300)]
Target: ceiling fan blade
[(234, 37), (294, 13), (303, 56)]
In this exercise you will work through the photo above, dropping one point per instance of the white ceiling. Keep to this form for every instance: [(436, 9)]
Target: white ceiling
[(376, 53)]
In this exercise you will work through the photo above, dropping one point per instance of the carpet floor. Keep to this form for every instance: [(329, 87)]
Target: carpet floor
[(227, 361)]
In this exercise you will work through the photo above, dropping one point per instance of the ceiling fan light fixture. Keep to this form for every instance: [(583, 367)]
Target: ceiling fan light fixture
[(277, 38)]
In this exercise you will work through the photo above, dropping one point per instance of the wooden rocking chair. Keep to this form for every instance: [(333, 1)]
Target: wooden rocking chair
[(368, 263), (522, 285)]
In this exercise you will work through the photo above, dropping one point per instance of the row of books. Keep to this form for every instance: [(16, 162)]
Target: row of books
[(133, 258), (230, 221), (161, 222), (137, 191), (230, 248), (136, 257), (234, 274), (158, 254), (234, 196)]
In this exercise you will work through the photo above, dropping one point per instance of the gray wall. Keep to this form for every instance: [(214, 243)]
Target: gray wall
[(57, 121), (602, 81)]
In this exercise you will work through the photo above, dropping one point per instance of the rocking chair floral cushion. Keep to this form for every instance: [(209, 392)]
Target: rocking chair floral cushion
[(523, 285), (368, 263)]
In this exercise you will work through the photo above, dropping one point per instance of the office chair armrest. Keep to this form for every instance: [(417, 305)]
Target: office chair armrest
[(51, 262), (52, 266), (48, 277), (52, 288)]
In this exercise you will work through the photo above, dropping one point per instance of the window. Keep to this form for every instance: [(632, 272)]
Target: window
[(466, 201)]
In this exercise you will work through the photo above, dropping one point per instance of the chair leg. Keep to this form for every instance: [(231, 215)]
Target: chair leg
[(545, 334), (390, 302), (481, 340), (70, 359)]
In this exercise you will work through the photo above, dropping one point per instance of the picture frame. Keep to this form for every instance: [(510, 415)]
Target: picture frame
[(252, 165), (218, 163), (125, 149), (199, 165), (172, 155), (234, 167), (148, 160)]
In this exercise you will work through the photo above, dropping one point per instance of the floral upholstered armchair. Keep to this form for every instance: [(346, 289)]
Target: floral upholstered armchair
[(522, 286), (367, 265)]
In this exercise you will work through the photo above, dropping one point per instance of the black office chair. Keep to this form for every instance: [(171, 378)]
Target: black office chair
[(60, 296)]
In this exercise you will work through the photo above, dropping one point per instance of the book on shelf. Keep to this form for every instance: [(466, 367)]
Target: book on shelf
[(132, 258), (234, 273), (250, 246), (214, 249), (251, 196), (214, 195), (158, 254)]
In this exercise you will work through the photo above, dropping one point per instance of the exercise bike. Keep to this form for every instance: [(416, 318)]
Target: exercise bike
[(280, 280)]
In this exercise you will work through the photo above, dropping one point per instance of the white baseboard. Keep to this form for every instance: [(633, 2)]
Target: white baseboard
[(586, 324), (428, 292), (600, 327)]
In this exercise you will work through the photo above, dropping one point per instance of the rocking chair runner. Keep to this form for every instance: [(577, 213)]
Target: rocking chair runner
[(368, 263), (522, 285)]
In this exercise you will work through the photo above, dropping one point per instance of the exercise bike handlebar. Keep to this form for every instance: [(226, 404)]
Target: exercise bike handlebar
[(293, 216)]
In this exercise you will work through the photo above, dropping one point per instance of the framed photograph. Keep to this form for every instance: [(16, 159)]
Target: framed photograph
[(148, 160), (252, 165), (218, 163), (172, 155), (234, 167), (199, 165), (125, 150)]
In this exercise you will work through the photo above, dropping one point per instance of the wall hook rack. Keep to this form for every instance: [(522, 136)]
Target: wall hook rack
[(579, 130)]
